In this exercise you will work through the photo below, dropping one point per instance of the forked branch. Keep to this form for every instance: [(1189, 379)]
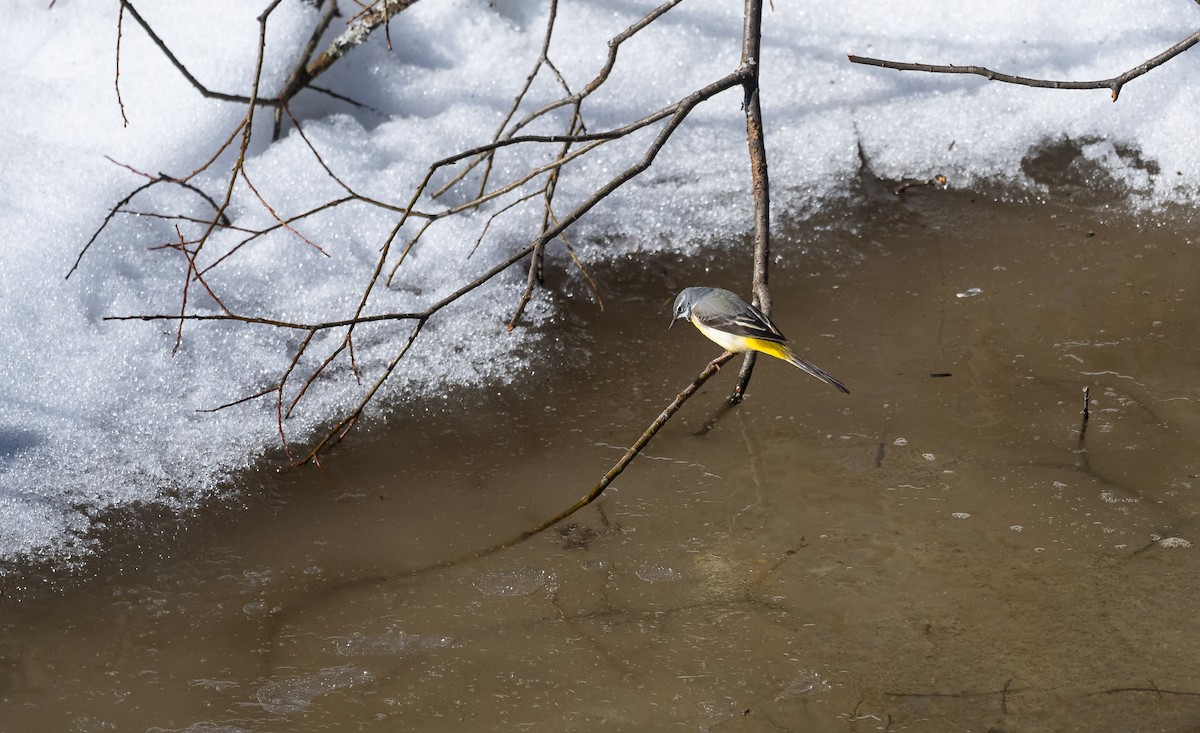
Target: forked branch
[(538, 178)]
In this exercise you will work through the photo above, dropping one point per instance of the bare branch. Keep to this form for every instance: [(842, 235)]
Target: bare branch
[(543, 59), (576, 99), (299, 77), (334, 436), (576, 143), (205, 91), (355, 35), (751, 59), (117, 74), (677, 112), (1113, 84), (275, 216)]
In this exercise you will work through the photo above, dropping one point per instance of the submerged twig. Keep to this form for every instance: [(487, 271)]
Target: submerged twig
[(1153, 688), (623, 463), (1082, 447)]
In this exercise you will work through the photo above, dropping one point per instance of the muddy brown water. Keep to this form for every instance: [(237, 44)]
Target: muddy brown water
[(933, 552)]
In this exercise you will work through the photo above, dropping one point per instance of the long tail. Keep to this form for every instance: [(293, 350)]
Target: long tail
[(804, 364)]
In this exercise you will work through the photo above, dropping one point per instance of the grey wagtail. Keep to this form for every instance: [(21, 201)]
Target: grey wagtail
[(738, 327)]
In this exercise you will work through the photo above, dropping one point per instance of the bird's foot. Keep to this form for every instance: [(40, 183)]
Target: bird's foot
[(714, 363)]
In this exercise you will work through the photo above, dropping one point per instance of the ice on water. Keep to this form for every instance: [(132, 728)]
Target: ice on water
[(658, 574), (513, 583), (294, 694), (392, 642)]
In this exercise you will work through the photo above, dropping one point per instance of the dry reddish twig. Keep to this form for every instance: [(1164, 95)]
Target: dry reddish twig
[(276, 216), (576, 99), (675, 115), (119, 207)]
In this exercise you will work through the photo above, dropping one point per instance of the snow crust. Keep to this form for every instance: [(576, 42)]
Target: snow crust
[(97, 416)]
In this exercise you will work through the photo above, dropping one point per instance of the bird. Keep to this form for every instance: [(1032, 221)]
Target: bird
[(737, 326)]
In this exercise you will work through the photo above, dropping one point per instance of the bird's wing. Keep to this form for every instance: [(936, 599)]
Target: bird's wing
[(736, 317)]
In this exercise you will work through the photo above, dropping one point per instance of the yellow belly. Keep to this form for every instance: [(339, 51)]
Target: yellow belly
[(727, 341), (739, 344)]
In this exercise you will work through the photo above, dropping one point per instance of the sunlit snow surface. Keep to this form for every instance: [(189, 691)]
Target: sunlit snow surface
[(99, 415)]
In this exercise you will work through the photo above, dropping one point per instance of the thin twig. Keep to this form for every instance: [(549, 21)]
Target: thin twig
[(220, 149), (117, 74), (334, 436), (576, 143), (1153, 688), (495, 214), (1113, 84), (104, 224), (204, 91), (181, 217), (481, 154), (247, 125), (240, 400), (187, 281), (313, 376), (276, 216)]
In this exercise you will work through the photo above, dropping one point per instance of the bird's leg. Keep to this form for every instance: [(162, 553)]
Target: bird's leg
[(722, 356)]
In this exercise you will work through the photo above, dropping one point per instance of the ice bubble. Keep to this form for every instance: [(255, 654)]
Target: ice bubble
[(807, 683), (658, 574), (392, 642), (293, 694), (512, 583)]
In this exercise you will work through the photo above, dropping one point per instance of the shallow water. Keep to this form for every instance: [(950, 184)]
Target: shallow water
[(933, 552)]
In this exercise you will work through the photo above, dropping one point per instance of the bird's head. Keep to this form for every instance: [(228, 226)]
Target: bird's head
[(683, 304)]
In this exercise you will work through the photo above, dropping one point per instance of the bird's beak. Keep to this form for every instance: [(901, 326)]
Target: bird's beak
[(672, 324)]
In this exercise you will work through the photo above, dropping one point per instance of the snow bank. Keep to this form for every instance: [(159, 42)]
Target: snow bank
[(99, 415)]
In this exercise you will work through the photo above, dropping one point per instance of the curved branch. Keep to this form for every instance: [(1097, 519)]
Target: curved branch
[(204, 91), (1113, 84)]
